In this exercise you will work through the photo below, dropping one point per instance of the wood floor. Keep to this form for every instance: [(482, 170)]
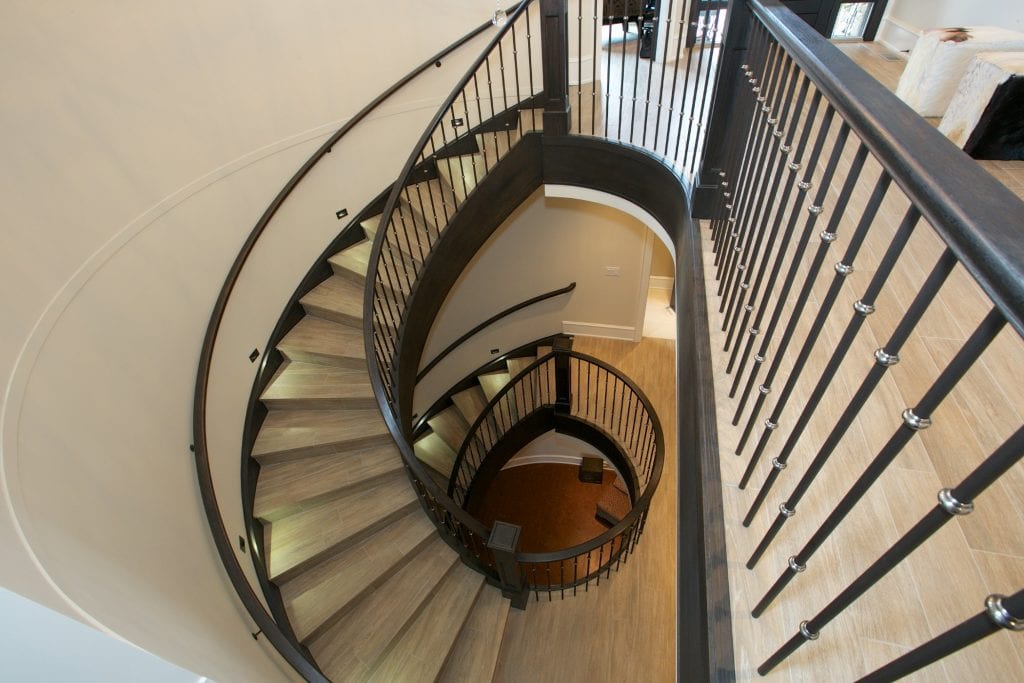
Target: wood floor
[(572, 640), (947, 579)]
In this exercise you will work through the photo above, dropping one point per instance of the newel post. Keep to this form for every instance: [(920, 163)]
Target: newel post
[(727, 109), (554, 40), (563, 374), (502, 543)]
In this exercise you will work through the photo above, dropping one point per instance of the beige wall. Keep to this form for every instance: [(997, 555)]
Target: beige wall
[(545, 244), (141, 143)]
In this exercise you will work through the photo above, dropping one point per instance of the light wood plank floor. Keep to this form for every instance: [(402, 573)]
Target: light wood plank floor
[(624, 629)]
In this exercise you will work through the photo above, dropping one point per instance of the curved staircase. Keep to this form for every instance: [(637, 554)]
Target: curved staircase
[(363, 575)]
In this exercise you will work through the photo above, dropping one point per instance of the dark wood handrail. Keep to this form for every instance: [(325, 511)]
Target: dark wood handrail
[(252, 603), (490, 321), (418, 470), (977, 216)]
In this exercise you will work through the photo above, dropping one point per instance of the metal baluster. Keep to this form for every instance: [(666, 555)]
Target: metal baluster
[(593, 90), (672, 94), (842, 270), (862, 309), (782, 205), (914, 420), (750, 166), (1001, 612), (737, 152), (801, 246), (519, 89), (755, 226), (636, 77), (529, 59), (952, 503), (885, 357), (827, 237)]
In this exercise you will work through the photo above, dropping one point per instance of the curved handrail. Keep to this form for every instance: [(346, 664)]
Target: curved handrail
[(490, 321), (377, 288), (639, 509), (449, 514), (252, 603)]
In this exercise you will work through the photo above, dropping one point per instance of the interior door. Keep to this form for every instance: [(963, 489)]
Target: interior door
[(822, 14)]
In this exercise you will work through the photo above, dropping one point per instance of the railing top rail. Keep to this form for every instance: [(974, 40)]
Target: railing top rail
[(218, 530), (376, 380), (977, 216)]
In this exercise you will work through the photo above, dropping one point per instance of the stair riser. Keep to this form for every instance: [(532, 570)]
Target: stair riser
[(338, 547), (335, 316), (323, 449), (280, 512), (350, 275), (363, 403), (307, 638), (345, 362)]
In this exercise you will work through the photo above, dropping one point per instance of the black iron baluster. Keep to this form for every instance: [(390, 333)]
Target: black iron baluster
[(754, 227), (1000, 613), (885, 357), (914, 420), (761, 88), (842, 270), (803, 186), (952, 502), (827, 237), (529, 59), (862, 309), (783, 205), (753, 180)]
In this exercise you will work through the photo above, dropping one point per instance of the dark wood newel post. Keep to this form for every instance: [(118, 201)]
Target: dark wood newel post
[(503, 542), (554, 38), (563, 375), (725, 109)]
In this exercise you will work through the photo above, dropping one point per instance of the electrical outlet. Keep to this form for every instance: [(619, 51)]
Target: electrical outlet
[(612, 271)]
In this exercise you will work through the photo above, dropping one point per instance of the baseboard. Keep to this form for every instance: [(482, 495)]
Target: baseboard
[(897, 35), (625, 332), (575, 460), (661, 282)]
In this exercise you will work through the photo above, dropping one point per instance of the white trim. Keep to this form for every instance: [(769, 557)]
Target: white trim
[(661, 282), (643, 285), (616, 202), (897, 35), (626, 332), (522, 460)]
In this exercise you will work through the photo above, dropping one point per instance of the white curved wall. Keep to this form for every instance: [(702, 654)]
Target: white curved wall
[(141, 142)]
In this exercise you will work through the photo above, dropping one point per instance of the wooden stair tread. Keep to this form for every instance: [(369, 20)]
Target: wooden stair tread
[(517, 365), (420, 652), (432, 450), (351, 647), (543, 350), (400, 248), (352, 263), (493, 382), (318, 597), (338, 299), (495, 145), (475, 653), (470, 402), (462, 173), (310, 386), (450, 426), (316, 340), (290, 434), (299, 540), (286, 488)]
